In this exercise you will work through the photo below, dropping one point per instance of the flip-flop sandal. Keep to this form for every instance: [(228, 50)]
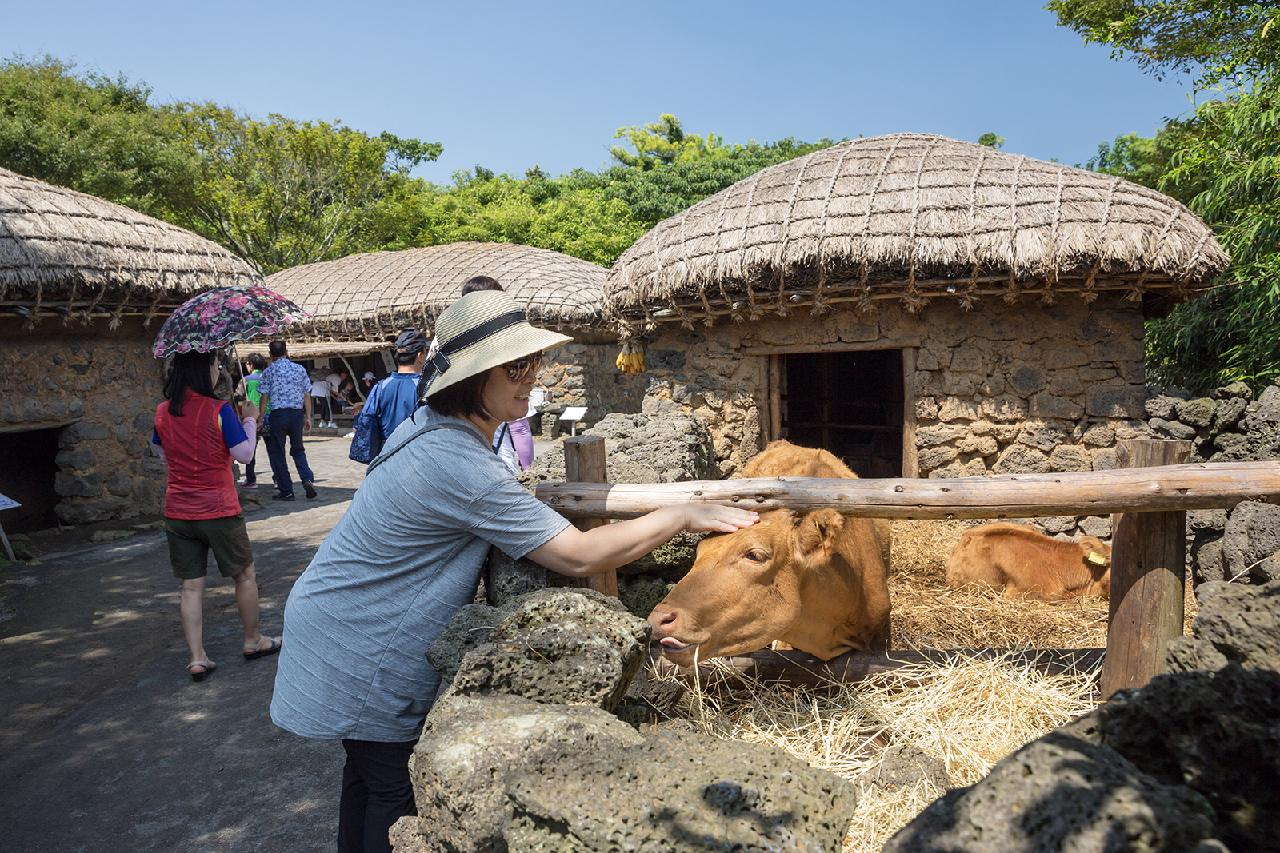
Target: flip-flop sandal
[(262, 653), (206, 669)]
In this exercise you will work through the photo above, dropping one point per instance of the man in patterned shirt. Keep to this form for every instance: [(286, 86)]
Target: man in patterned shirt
[(285, 386)]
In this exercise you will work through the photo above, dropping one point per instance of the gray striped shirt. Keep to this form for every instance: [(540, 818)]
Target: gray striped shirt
[(390, 576)]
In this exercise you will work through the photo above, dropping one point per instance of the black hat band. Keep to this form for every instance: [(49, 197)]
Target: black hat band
[(490, 327)]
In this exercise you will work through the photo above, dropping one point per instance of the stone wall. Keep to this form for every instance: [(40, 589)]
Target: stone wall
[(100, 387), (583, 374), (1001, 389)]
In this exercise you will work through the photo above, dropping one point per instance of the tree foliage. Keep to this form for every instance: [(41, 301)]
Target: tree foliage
[(1223, 162), (1219, 40)]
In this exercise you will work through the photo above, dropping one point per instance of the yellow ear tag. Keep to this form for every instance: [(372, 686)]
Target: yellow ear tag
[(1096, 559)]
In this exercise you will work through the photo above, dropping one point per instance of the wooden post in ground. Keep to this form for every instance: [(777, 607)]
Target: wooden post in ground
[(585, 462), (1148, 575)]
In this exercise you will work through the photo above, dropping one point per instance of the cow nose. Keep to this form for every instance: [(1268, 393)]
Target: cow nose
[(663, 621)]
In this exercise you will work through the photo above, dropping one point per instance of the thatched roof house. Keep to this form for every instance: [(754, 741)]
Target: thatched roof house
[(367, 298), (64, 253), (909, 217), (916, 304), (375, 294), (77, 394)]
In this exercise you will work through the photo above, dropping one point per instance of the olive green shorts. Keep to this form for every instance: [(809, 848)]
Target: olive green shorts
[(191, 541)]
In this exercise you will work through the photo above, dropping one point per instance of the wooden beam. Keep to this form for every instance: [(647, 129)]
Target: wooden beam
[(910, 453), (1162, 489), (775, 397), (585, 462), (798, 668), (1148, 576)]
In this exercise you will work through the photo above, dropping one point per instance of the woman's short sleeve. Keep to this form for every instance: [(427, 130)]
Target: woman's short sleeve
[(512, 520)]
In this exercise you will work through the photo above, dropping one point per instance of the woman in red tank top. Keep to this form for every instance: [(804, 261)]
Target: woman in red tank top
[(198, 436)]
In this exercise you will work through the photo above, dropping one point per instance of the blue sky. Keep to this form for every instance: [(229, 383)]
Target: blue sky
[(508, 85)]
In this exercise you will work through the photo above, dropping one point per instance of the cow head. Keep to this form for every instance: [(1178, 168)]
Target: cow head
[(1097, 559), (749, 588)]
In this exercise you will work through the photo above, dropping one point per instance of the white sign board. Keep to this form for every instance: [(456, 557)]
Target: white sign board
[(8, 503), (573, 413)]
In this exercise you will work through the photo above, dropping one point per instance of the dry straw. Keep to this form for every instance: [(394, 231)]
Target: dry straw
[(909, 217), (66, 253), (372, 295)]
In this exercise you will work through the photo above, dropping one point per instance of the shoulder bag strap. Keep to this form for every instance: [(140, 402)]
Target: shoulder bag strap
[(384, 456)]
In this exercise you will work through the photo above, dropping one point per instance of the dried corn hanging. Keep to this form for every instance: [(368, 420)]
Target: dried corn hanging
[(630, 358)]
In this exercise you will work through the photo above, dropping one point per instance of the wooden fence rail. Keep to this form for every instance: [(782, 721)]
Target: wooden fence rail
[(1149, 548), (1166, 488)]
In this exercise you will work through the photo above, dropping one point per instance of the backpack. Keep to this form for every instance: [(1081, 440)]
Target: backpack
[(367, 442)]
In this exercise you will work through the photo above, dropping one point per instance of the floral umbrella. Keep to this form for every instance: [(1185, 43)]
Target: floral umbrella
[(220, 317)]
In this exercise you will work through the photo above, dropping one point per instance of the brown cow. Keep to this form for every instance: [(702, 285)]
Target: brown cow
[(815, 581), (1027, 564)]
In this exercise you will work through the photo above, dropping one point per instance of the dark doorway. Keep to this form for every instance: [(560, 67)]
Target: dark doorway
[(849, 403), (27, 477)]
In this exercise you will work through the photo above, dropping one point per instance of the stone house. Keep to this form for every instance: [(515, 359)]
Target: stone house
[(368, 298), (920, 306), (84, 287)]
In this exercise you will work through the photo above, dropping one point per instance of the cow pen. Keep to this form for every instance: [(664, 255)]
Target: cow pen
[(1148, 497)]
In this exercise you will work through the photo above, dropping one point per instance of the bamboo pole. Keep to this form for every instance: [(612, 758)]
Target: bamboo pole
[(585, 461), (1148, 576), (1164, 488), (798, 668)]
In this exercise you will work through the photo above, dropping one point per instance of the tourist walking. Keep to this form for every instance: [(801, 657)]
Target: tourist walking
[(198, 435), (408, 554), (320, 399), (393, 399), (285, 389), (250, 393)]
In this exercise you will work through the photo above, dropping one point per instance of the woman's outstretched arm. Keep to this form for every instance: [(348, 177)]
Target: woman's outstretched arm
[(580, 553)]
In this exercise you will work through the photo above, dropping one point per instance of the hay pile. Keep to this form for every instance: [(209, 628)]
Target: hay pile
[(965, 713)]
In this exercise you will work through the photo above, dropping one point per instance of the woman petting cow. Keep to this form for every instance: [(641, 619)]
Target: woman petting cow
[(408, 554)]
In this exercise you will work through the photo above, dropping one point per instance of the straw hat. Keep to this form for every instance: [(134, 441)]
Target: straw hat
[(480, 331)]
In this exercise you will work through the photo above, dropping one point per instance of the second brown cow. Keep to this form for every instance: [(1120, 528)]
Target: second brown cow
[(815, 581), (1025, 563)]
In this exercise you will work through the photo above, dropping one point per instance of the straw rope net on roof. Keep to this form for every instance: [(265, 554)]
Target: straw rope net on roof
[(908, 217), (370, 295), (67, 253)]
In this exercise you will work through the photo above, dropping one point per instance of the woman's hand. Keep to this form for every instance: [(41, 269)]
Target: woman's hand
[(715, 518)]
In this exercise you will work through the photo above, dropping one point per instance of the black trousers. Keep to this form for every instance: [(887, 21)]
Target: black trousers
[(376, 792)]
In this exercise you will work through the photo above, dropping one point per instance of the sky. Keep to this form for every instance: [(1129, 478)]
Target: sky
[(509, 85)]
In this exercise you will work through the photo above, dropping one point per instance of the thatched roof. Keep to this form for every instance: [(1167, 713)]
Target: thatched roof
[(64, 252), (909, 216), (371, 295)]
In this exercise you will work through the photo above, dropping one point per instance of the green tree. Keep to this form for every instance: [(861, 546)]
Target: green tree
[(1220, 40), (96, 134), (991, 140), (282, 192)]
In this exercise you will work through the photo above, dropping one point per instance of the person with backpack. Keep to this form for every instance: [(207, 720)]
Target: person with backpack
[(392, 400), (408, 554)]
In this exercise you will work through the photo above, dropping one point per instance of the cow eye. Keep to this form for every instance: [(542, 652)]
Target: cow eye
[(756, 555)]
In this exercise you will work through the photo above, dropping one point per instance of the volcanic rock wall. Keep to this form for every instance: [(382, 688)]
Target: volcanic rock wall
[(99, 388), (1000, 389)]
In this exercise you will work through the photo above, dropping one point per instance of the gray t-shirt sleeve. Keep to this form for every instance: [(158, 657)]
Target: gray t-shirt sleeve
[(509, 518)]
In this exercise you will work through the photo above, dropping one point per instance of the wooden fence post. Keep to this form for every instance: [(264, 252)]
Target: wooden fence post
[(585, 462), (1148, 574)]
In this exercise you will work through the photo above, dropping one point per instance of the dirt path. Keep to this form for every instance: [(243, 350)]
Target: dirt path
[(108, 745)]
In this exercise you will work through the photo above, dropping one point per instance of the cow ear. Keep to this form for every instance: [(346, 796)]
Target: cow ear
[(1094, 558), (817, 529)]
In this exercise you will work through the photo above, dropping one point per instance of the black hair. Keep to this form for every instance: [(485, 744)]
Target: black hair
[(462, 399), (277, 349), (404, 357), (257, 361), (190, 370), (481, 282)]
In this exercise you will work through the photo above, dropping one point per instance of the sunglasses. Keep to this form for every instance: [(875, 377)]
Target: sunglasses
[(523, 369)]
